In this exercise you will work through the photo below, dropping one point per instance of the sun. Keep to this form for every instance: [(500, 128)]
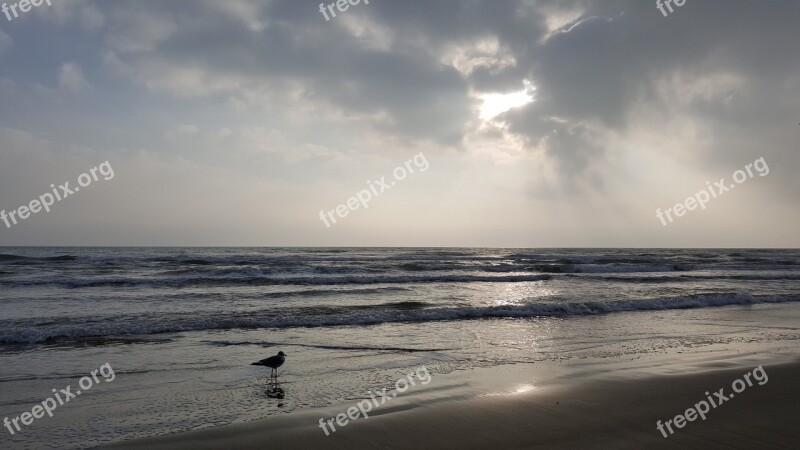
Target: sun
[(495, 104)]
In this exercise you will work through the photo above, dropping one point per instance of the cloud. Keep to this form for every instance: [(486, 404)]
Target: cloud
[(5, 42), (573, 108), (70, 77)]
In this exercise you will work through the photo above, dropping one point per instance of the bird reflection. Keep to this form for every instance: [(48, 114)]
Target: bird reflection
[(274, 390)]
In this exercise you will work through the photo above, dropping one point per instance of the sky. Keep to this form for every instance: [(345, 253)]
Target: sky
[(469, 123)]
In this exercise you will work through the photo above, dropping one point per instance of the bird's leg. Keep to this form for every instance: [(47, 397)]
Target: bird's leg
[(273, 378)]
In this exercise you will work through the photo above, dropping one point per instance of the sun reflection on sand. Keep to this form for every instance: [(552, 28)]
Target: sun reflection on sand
[(516, 390), (524, 388)]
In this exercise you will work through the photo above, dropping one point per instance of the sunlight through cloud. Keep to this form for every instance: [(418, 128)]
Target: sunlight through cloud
[(495, 104)]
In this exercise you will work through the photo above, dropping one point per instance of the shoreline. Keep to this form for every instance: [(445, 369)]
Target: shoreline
[(588, 412)]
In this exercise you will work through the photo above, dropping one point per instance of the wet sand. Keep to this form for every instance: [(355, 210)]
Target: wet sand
[(612, 412)]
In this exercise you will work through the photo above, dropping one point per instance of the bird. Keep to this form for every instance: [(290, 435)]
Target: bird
[(273, 362)]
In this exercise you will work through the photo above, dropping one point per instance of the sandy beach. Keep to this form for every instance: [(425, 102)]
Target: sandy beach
[(615, 412)]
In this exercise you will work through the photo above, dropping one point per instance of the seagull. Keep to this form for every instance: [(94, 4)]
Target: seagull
[(273, 362)]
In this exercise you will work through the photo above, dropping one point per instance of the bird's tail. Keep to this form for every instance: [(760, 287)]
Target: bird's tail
[(259, 363)]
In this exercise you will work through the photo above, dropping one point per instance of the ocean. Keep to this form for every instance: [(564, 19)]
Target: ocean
[(180, 326)]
